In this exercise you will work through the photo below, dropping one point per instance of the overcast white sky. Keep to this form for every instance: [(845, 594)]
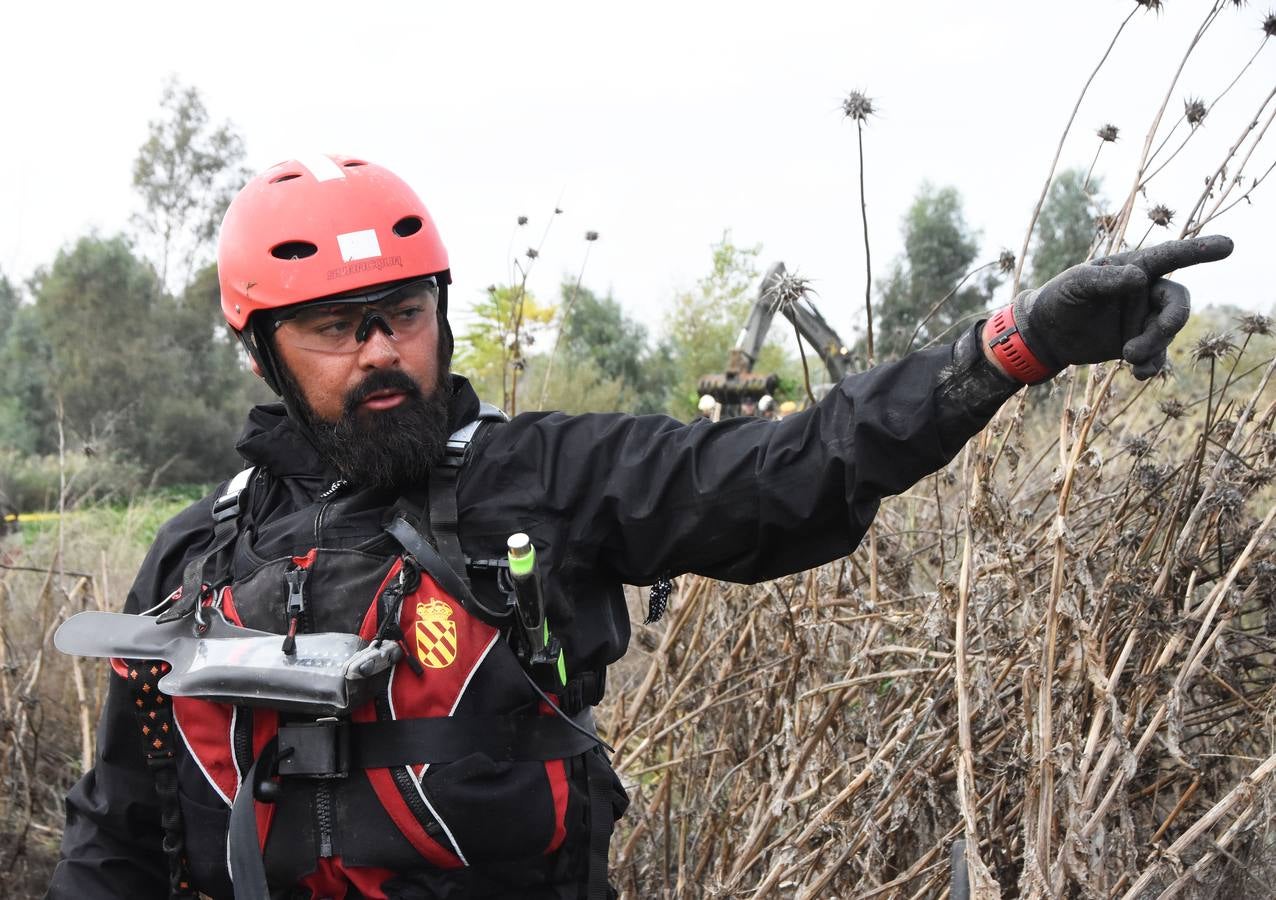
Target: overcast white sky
[(657, 124)]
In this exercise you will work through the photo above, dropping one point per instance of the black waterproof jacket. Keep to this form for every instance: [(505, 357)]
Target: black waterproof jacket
[(607, 499)]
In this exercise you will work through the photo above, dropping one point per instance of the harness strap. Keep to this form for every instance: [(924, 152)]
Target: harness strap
[(332, 748), (225, 512), (247, 868), (154, 713), (438, 568), (445, 519)]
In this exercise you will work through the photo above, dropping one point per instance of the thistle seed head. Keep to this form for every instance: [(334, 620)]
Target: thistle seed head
[(522, 220), (1138, 445), (1213, 346), (532, 253), (1194, 111), (591, 235), (1173, 409), (1150, 5), (1006, 262), (1269, 24), (1108, 132), (857, 106), (1161, 215), (789, 289), (1255, 324)]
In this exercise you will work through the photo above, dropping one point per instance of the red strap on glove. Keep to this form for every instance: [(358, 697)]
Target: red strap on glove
[(1007, 345)]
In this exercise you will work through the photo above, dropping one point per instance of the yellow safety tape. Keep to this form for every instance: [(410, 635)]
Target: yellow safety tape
[(32, 517)]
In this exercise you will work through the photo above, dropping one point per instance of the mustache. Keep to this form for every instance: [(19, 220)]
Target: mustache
[(382, 380)]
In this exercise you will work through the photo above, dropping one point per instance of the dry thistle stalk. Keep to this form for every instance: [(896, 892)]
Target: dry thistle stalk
[(858, 107)]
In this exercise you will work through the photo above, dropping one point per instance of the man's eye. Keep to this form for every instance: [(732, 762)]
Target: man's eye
[(333, 327), (406, 313)]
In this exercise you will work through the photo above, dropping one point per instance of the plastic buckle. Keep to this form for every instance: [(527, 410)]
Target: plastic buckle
[(319, 749), (226, 507)]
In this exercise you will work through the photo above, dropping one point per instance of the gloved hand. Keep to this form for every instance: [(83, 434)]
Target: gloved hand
[(1117, 307)]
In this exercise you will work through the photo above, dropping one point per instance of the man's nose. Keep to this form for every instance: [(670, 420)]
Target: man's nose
[(379, 350)]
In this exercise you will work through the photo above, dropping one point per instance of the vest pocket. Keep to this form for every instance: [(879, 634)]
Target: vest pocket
[(498, 810)]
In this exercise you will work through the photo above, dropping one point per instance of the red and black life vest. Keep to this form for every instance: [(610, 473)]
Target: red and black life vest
[(461, 775)]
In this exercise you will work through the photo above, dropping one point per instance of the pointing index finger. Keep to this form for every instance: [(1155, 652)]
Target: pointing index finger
[(1170, 256)]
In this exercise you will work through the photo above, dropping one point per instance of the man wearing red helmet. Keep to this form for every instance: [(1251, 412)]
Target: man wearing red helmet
[(457, 757)]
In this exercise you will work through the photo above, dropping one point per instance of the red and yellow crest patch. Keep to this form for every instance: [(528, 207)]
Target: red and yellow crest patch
[(436, 642)]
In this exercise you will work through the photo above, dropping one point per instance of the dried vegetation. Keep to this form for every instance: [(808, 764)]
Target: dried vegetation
[(1067, 664)]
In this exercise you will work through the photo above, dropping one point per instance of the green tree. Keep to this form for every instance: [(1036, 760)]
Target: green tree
[(617, 350), (157, 383), (96, 308), (492, 351), (186, 173), (939, 250), (707, 320), (1066, 227), (9, 300), (25, 409)]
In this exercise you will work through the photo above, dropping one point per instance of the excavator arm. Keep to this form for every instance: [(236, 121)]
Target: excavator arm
[(739, 383)]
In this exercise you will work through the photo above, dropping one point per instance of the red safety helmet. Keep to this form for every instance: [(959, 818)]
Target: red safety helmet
[(320, 226), (316, 227)]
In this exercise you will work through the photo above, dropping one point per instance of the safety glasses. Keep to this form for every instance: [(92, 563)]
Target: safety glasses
[(341, 324)]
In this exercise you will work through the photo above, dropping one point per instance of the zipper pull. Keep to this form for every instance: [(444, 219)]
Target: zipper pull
[(296, 578)]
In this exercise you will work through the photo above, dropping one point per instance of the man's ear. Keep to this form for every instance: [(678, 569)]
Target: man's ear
[(255, 366)]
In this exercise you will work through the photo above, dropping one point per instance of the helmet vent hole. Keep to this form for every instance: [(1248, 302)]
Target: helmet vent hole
[(407, 226), (286, 177), (293, 250), (351, 163)]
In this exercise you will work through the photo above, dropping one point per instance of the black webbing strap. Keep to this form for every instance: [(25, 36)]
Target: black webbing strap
[(331, 748), (154, 713), (602, 820), (445, 520), (247, 868), (225, 529), (438, 568)]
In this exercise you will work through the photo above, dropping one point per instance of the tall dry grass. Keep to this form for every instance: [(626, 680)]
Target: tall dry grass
[(49, 702), (1068, 666)]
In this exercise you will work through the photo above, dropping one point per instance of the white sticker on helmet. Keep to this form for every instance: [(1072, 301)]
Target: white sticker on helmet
[(358, 245), (322, 167)]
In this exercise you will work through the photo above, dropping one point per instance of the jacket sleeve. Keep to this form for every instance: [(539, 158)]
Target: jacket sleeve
[(745, 499), (112, 845)]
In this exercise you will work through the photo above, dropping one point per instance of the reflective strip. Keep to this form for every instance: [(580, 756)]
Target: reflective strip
[(321, 166), (359, 245)]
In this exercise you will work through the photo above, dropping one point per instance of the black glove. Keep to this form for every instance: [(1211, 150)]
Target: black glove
[(1117, 307)]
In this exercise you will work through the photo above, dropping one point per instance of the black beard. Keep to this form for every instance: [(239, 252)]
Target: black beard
[(392, 448)]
